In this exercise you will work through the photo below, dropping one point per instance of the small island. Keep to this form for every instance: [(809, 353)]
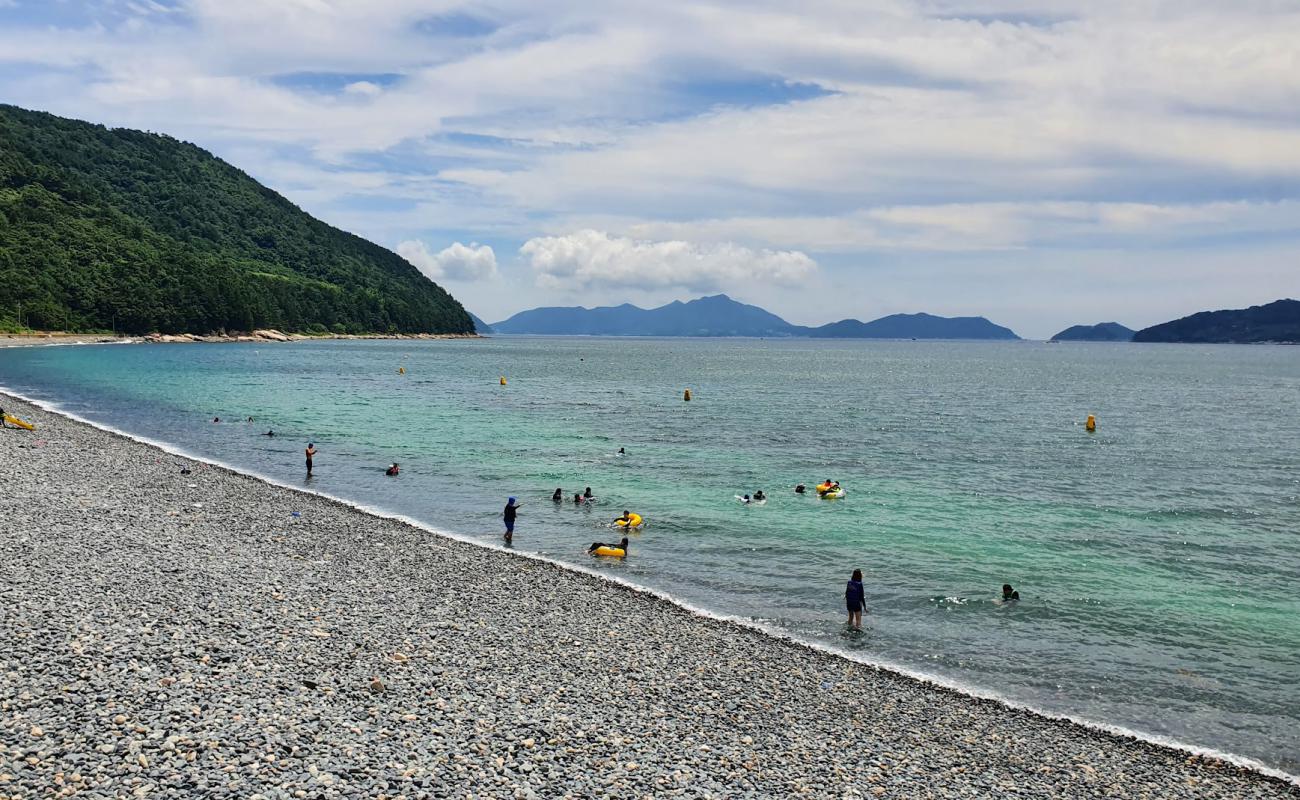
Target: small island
[(1101, 332)]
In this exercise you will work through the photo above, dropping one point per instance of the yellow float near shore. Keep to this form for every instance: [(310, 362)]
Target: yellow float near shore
[(632, 521), (612, 552), (12, 420)]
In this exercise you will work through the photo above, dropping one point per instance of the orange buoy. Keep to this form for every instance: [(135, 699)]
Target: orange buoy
[(1091, 425), (687, 395), (503, 380)]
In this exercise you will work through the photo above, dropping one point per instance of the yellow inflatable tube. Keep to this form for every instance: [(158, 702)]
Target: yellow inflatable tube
[(613, 552), (12, 420), (632, 521)]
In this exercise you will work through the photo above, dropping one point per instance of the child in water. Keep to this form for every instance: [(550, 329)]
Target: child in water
[(559, 495), (392, 469), (855, 599), (597, 545)]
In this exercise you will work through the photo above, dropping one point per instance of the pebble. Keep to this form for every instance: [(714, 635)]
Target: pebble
[(211, 654)]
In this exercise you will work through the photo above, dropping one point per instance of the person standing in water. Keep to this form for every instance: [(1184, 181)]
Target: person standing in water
[(559, 495), (512, 509), (1009, 594), (855, 599), (311, 453)]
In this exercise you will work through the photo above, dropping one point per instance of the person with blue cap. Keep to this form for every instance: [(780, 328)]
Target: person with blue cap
[(512, 508)]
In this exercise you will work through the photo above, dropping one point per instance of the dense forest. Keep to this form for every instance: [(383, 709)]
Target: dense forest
[(135, 232)]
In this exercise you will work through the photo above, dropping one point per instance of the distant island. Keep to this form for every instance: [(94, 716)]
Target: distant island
[(1101, 332), (719, 315), (914, 326), (113, 229), (1278, 321), (479, 325)]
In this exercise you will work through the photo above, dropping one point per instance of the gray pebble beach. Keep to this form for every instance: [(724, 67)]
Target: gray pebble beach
[(169, 635)]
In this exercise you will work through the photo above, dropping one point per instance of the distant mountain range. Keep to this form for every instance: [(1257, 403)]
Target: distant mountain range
[(479, 325), (1101, 332), (708, 316), (1278, 321), (719, 315)]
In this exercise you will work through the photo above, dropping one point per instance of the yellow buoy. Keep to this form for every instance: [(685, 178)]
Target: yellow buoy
[(687, 395), (401, 370), (1091, 425), (503, 380)]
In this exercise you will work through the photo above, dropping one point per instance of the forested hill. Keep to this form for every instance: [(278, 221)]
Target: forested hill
[(1278, 321), (123, 229)]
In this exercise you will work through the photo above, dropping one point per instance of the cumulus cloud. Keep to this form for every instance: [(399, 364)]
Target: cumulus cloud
[(459, 262), (594, 257)]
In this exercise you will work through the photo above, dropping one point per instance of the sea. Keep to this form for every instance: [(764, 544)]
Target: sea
[(1157, 559)]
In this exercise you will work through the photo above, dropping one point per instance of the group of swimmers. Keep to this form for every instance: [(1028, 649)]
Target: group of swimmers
[(579, 498), (854, 591)]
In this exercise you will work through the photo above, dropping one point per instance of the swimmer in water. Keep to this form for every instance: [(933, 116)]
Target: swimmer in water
[(800, 489), (559, 495), (1009, 594), (622, 452), (587, 495), (622, 545), (759, 496), (577, 498), (626, 519), (269, 433), (392, 469), (745, 499)]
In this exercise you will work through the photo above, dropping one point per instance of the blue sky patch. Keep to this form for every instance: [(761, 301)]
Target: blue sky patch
[(331, 82)]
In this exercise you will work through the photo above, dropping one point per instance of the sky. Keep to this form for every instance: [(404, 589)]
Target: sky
[(1040, 163)]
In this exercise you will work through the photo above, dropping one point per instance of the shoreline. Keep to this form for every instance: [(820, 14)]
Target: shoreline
[(1238, 775), (47, 338)]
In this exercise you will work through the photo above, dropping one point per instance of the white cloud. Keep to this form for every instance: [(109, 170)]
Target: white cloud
[(472, 262), (363, 89), (590, 257)]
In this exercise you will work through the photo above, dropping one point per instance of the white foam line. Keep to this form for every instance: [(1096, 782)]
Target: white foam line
[(920, 676), (63, 344)]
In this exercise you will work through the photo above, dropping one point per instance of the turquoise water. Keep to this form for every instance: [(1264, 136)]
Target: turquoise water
[(1158, 559)]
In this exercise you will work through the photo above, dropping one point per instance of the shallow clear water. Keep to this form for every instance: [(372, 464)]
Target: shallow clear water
[(1158, 559)]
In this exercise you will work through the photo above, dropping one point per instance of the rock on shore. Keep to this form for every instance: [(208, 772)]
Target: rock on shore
[(168, 635)]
